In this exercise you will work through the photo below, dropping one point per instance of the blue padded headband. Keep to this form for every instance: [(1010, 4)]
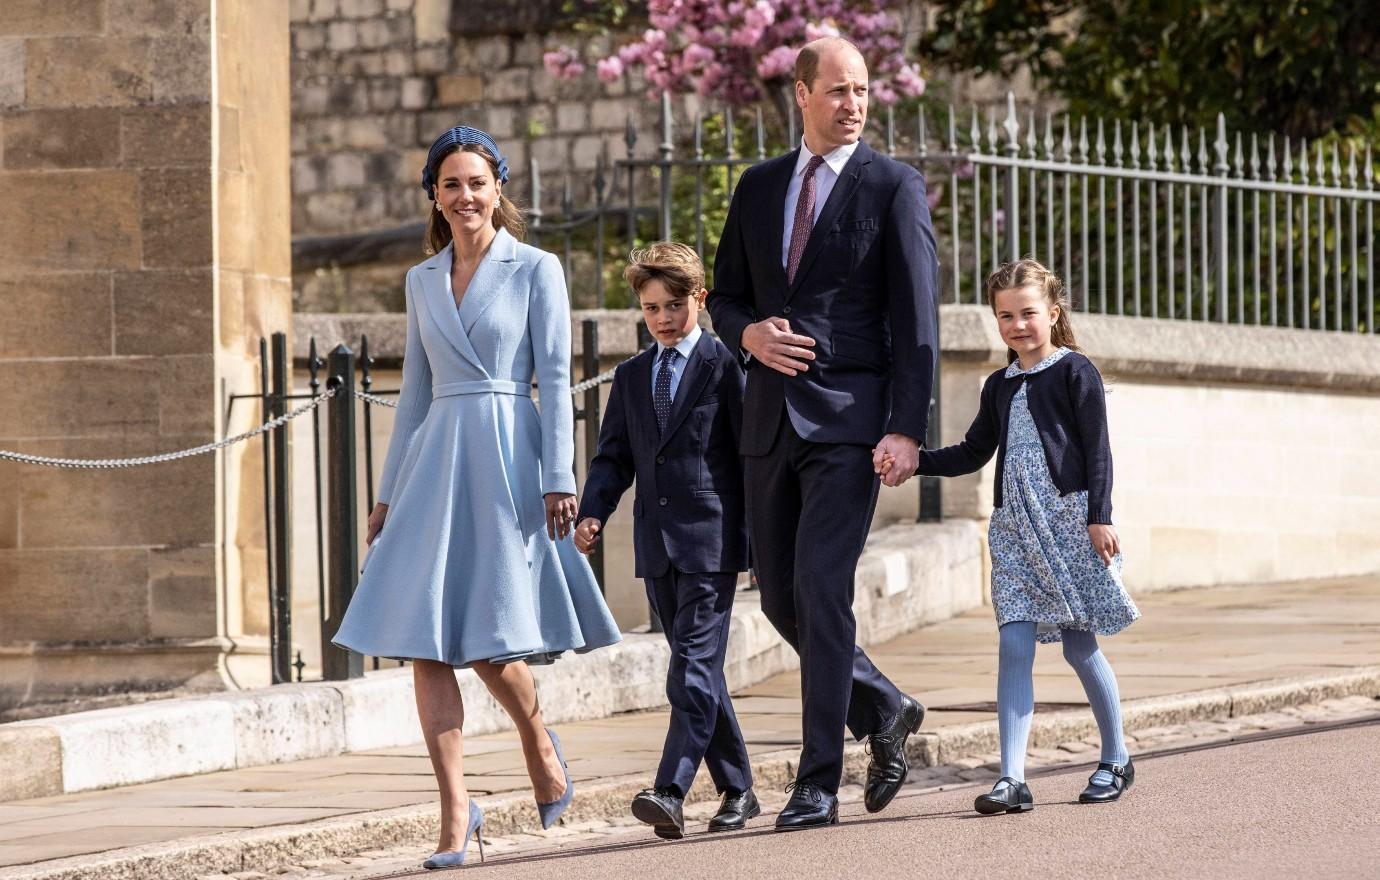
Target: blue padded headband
[(460, 134)]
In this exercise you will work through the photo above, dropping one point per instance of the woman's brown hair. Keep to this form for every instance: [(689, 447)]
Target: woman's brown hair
[(507, 215), (1021, 274)]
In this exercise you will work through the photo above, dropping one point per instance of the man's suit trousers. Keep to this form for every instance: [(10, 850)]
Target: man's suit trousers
[(809, 509)]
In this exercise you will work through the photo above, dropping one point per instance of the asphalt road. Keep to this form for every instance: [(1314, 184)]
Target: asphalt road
[(1295, 806)]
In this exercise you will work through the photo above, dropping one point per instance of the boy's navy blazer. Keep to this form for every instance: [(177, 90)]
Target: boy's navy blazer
[(689, 509), (866, 292)]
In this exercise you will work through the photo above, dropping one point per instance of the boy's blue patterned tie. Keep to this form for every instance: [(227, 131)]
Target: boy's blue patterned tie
[(661, 399)]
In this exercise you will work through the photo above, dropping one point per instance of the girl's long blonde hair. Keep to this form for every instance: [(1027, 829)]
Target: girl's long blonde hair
[(1024, 273)]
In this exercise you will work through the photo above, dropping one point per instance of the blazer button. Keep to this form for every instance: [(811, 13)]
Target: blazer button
[(785, 310), (663, 501), (661, 459)]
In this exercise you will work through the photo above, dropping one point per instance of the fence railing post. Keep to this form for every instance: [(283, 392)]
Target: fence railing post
[(280, 610), (338, 664), (589, 411), (932, 488)]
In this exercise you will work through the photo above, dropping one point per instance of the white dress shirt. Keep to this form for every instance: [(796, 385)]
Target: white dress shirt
[(685, 347), (825, 177)]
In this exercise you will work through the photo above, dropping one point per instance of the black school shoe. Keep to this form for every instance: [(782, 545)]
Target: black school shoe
[(1007, 796), (1097, 793), (661, 809), (735, 810)]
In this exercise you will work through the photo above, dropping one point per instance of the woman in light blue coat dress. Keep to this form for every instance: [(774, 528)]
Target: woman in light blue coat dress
[(470, 562)]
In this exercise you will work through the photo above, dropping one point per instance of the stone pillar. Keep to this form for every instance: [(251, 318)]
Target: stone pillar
[(144, 248)]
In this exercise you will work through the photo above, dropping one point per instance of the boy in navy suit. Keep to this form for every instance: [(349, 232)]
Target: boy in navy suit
[(673, 420)]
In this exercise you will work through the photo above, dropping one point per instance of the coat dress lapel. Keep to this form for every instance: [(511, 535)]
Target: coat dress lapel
[(839, 197), (491, 279), (440, 305), (697, 372)]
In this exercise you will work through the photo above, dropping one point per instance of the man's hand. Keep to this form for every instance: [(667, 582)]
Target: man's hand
[(587, 534), (772, 342), (895, 459), (1104, 541)]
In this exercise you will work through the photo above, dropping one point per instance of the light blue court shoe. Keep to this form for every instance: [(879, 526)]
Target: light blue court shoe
[(456, 859), (551, 812)]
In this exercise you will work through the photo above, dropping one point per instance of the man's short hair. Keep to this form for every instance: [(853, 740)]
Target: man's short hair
[(807, 59), (675, 265)]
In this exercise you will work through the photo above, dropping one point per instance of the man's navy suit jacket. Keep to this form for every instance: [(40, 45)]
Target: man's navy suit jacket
[(865, 291), (689, 509)]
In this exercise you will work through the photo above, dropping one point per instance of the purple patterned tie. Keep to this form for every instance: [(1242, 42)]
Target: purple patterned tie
[(804, 218)]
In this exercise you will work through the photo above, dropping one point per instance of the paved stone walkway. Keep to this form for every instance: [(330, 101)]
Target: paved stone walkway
[(977, 773), (1187, 641)]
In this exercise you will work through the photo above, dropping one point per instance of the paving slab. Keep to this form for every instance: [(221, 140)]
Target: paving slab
[(1213, 649)]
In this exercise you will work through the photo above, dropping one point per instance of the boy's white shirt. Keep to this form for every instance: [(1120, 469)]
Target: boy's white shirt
[(685, 347)]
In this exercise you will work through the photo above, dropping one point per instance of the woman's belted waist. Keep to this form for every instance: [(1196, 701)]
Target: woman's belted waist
[(481, 386)]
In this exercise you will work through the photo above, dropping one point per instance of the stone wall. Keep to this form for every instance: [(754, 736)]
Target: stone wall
[(144, 245), (1243, 454), (374, 82)]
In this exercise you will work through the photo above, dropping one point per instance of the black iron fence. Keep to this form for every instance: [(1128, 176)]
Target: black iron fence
[(342, 452)]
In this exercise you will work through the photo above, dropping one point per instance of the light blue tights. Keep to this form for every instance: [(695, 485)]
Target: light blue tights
[(1016, 694)]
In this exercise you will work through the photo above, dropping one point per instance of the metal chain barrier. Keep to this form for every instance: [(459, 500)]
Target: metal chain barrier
[(377, 401), (111, 463)]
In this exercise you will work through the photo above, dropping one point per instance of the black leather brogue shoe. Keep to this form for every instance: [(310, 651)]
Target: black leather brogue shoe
[(661, 809), (735, 811), (887, 770), (1105, 793), (810, 806), (1007, 796)]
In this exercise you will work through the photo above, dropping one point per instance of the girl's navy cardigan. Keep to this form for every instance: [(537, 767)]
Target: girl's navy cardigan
[(1069, 407)]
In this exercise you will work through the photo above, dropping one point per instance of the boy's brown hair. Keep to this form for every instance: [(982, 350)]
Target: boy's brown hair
[(675, 265)]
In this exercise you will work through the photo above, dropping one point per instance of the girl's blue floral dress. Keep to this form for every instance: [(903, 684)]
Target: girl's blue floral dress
[(1044, 567)]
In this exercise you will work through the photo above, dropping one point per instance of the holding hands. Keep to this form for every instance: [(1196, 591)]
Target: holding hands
[(895, 459), (587, 534), (560, 513)]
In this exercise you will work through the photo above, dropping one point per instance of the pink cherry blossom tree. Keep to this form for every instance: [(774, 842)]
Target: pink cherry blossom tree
[(740, 51)]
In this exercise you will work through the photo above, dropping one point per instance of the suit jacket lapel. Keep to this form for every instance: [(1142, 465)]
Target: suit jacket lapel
[(697, 371), (440, 304), (641, 412), (839, 197), (490, 280)]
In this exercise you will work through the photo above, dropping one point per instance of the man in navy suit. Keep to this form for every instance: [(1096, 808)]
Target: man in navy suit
[(673, 421), (824, 283)]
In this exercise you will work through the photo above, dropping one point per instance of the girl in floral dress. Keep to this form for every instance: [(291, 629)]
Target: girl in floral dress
[(1056, 559)]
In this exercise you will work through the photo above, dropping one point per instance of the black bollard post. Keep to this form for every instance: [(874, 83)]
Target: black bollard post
[(590, 330), (932, 488), (281, 586), (338, 664)]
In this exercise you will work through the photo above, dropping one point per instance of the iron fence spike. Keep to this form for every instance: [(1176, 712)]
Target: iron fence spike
[(1011, 123)]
